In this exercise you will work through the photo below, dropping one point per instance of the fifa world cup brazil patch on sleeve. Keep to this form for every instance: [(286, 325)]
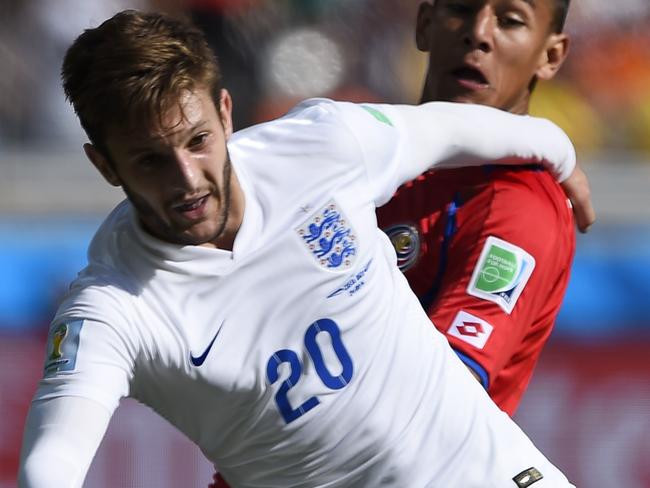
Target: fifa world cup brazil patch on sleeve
[(62, 347), (527, 478), (380, 116), (501, 273)]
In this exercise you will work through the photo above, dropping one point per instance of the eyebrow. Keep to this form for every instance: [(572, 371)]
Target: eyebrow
[(145, 148)]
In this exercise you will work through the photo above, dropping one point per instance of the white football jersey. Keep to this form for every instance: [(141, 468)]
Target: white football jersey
[(301, 358)]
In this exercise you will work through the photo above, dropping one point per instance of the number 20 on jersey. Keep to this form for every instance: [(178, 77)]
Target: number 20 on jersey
[(323, 326)]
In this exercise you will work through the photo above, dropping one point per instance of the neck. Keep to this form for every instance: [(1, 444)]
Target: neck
[(521, 106)]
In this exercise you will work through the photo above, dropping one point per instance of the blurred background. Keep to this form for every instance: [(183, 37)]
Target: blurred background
[(588, 407)]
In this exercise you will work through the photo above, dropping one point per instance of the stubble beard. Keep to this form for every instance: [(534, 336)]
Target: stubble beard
[(158, 227)]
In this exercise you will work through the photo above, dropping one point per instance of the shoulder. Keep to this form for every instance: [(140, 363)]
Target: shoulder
[(105, 290), (98, 297), (119, 255), (94, 326), (305, 114), (103, 246), (315, 135), (314, 108), (529, 210), (533, 198), (307, 120)]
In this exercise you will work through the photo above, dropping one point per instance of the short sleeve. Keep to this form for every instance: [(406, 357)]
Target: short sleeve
[(87, 356), (506, 276)]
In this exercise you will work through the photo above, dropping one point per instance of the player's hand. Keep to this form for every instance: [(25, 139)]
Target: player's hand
[(577, 189)]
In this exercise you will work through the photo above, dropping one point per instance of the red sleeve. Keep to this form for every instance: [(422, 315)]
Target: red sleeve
[(488, 253), (506, 271)]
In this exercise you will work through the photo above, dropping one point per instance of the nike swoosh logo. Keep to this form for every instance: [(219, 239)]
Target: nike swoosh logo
[(199, 360)]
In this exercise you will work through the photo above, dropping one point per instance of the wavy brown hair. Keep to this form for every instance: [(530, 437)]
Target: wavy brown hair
[(132, 69)]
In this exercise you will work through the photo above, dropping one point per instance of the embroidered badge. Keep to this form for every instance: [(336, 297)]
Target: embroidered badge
[(527, 478), (328, 236), (471, 329), (62, 347), (406, 241), (501, 273)]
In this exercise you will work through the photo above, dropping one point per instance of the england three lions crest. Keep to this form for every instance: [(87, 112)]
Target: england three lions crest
[(328, 236)]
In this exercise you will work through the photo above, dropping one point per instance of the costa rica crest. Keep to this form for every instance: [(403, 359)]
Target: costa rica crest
[(405, 239), (329, 237)]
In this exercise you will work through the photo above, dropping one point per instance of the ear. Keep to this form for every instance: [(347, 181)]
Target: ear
[(423, 26), (225, 112), (102, 164), (553, 56)]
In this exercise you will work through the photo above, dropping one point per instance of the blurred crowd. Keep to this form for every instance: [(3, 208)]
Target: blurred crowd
[(276, 52)]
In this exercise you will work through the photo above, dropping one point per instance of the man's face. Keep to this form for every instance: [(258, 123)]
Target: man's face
[(488, 51), (178, 177)]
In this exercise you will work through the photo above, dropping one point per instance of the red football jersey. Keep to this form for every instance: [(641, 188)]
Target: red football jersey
[(488, 251)]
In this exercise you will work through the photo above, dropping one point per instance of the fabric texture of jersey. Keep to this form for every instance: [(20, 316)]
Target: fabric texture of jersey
[(301, 358), (451, 214)]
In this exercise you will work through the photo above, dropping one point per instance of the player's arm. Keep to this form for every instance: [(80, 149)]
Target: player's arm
[(499, 327), (479, 134), (450, 135), (400, 142), (484, 133), (61, 437), (88, 368)]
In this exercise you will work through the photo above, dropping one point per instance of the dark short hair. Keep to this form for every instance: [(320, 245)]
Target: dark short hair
[(559, 15), (133, 68)]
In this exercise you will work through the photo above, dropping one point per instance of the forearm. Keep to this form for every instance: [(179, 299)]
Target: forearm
[(449, 135), (60, 440)]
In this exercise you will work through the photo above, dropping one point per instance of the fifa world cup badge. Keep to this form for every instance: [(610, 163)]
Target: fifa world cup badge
[(63, 343)]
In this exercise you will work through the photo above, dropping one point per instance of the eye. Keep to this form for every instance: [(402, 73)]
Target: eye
[(511, 21), (147, 161), (198, 141)]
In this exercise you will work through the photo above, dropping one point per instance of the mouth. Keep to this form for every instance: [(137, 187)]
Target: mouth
[(192, 209), (470, 78)]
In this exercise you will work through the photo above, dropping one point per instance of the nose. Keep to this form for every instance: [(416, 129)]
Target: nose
[(187, 172), (479, 30)]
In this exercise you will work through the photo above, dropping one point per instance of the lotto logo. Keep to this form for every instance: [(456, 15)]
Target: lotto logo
[(470, 329)]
